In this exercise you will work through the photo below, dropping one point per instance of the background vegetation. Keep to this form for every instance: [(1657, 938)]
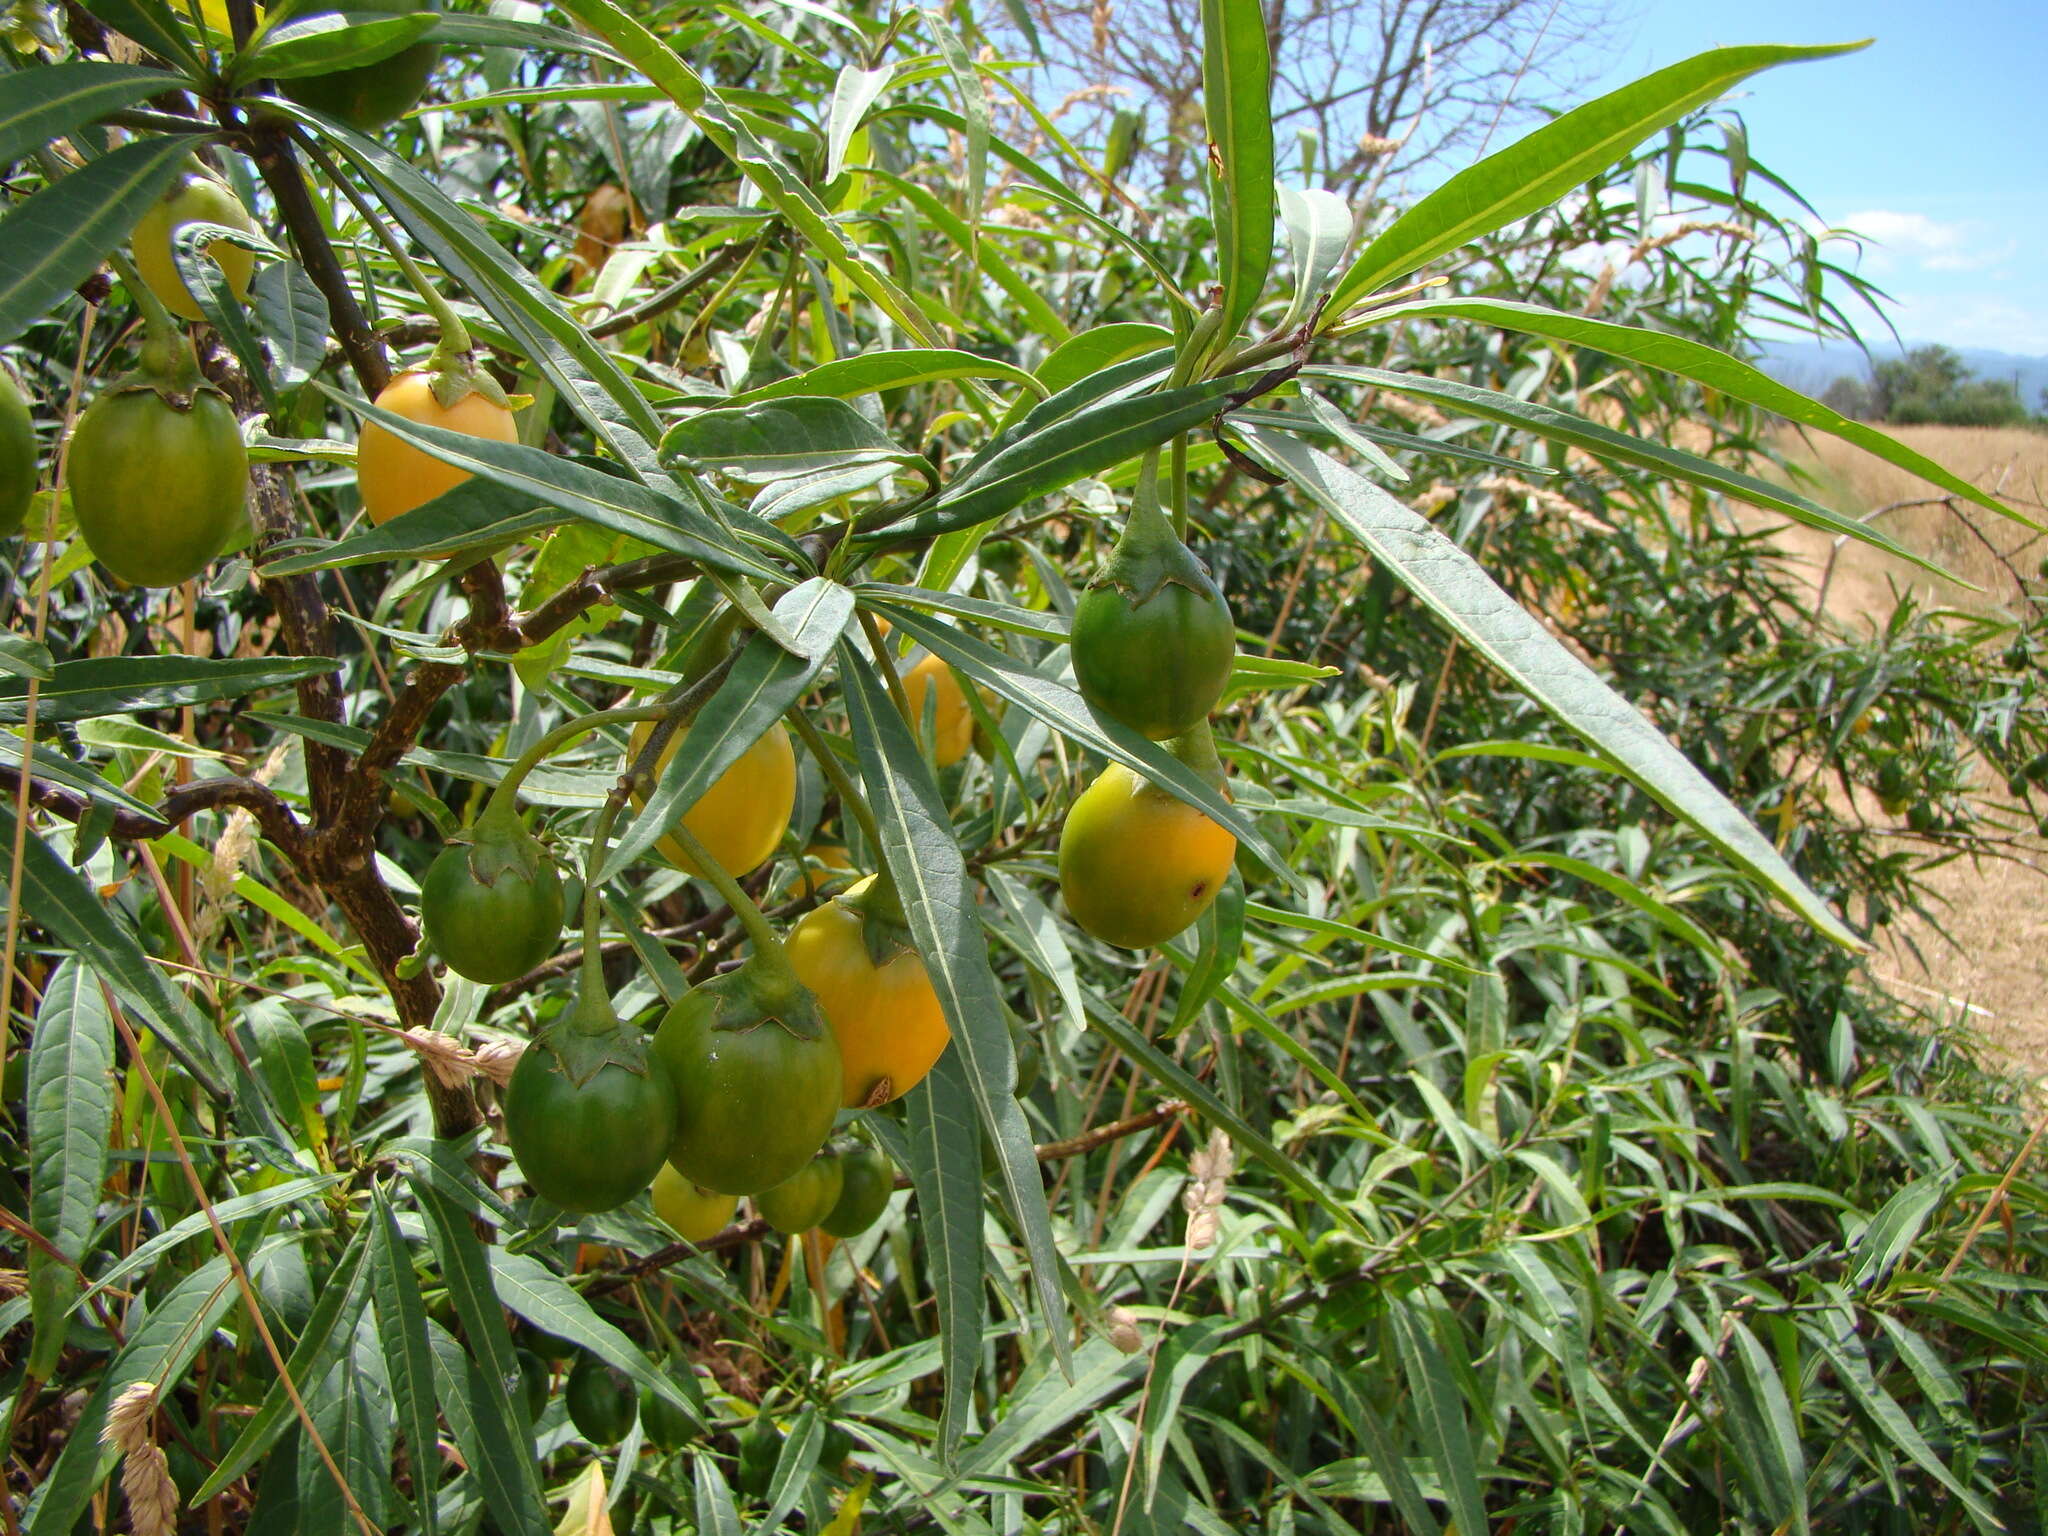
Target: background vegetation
[(1512, 1145)]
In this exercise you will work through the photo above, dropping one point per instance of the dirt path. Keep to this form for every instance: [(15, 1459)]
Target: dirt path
[(1986, 965)]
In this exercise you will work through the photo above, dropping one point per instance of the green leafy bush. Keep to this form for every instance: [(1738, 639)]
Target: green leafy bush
[(1512, 1138)]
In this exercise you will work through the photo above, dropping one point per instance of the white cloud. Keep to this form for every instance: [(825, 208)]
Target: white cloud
[(1972, 319), (1928, 244)]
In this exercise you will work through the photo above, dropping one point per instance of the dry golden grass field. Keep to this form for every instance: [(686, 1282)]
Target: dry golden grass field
[(1989, 969)]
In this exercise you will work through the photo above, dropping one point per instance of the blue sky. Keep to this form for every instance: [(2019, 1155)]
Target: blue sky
[(1933, 140)]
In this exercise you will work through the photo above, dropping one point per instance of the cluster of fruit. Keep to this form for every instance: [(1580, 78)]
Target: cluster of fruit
[(840, 1015)]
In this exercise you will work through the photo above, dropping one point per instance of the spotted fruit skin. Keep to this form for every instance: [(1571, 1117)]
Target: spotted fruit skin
[(157, 490), (696, 1215), (392, 476), (952, 720), (887, 1018), (740, 819), (193, 199), (1136, 865)]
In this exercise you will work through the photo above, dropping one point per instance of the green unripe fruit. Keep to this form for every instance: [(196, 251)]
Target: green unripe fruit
[(866, 1180), (804, 1199), (602, 1402)]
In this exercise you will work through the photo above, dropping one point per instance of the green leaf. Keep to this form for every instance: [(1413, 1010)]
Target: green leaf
[(123, 685), (716, 1515), (853, 93), (1537, 170), (764, 683), (1785, 1457), (1237, 98), (228, 1212), (942, 1133), (773, 440), (870, 372), (1094, 440), (1604, 442), (70, 1117), (973, 107), (23, 657), (75, 916), (152, 24), (1852, 1367), (494, 1445), (477, 514), (327, 1332), (1440, 1416), (1181, 1357), (793, 1467), (1693, 360), (1221, 930), (56, 239), (408, 1360), (1089, 353), (1452, 585), (40, 105), (332, 40), (530, 1289), (1896, 1227), (924, 860), (160, 1351), (624, 506), (1318, 230), (500, 1450), (293, 315)]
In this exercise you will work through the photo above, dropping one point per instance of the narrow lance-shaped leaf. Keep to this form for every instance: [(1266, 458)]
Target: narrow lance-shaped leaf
[(126, 685), (57, 239), (1537, 170), (931, 877), (70, 1116), (160, 1352), (853, 93), (943, 1138), (1237, 98), (624, 506), (1440, 1415), (1604, 442), (1318, 229), (1455, 588), (1695, 360), (39, 105), (326, 1333)]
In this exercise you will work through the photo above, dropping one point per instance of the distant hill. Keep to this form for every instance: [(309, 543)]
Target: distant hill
[(1810, 366)]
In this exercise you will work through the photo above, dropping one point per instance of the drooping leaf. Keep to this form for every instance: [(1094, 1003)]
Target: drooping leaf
[(125, 685), (56, 239), (942, 1134), (1454, 587), (925, 862), (1694, 360), (772, 440), (40, 105), (70, 1118)]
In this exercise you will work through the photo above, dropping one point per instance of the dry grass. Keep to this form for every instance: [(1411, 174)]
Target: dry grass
[(1986, 964)]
